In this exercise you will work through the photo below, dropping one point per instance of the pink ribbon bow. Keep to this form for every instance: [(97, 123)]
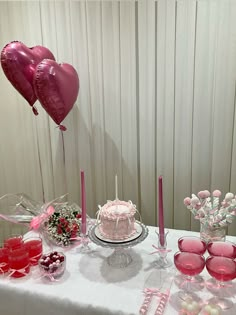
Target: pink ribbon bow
[(51, 276), (36, 221), (3, 264), (22, 271), (160, 250)]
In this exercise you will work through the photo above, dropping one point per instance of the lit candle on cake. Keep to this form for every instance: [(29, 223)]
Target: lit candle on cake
[(83, 202), (161, 214)]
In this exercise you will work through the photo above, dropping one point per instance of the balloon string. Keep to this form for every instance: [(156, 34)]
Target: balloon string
[(64, 159), (40, 163)]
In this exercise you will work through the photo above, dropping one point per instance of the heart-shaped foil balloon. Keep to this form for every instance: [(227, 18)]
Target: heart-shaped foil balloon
[(19, 63), (56, 87)]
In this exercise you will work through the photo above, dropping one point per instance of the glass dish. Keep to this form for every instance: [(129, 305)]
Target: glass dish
[(52, 265)]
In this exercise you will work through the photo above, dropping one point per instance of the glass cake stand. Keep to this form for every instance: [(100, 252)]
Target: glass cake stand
[(119, 258)]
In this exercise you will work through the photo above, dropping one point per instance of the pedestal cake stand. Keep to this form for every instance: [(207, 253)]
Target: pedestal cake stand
[(119, 258)]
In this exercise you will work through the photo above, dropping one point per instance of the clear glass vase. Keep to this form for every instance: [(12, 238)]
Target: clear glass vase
[(209, 234)]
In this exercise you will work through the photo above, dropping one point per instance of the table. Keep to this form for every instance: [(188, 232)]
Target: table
[(90, 286)]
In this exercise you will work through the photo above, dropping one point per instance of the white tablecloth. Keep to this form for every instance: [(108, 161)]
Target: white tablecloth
[(90, 286)]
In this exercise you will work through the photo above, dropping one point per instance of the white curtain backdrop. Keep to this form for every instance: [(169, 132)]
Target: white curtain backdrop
[(157, 97)]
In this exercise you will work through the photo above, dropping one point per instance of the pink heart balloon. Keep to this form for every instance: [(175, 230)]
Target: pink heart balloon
[(19, 63), (57, 87)]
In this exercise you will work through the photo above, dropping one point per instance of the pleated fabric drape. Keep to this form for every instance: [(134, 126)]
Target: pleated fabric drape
[(157, 97)]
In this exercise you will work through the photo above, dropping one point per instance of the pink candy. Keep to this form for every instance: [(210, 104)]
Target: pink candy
[(216, 193), (204, 194), (187, 201)]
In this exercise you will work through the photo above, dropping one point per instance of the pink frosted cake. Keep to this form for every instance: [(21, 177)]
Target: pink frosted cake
[(117, 219)]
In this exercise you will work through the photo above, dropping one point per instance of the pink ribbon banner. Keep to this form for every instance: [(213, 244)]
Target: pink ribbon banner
[(149, 294)]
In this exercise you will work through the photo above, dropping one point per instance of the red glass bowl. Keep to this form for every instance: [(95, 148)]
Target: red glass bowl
[(220, 248), (189, 264), (192, 244), (223, 269)]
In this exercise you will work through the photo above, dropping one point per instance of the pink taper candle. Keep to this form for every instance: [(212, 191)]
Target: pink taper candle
[(83, 201), (161, 214)]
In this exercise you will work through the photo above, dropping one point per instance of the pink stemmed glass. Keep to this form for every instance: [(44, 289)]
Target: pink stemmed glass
[(192, 244), (190, 265), (219, 248), (222, 269)]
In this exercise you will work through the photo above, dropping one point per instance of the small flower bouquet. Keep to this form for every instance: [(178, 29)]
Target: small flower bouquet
[(212, 213), (63, 226), (58, 220)]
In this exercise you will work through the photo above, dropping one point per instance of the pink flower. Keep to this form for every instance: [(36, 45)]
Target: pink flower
[(187, 201), (207, 193), (73, 234), (204, 194), (75, 227), (59, 230), (216, 193), (201, 194)]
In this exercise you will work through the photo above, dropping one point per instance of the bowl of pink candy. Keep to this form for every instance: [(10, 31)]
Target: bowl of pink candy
[(52, 265)]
